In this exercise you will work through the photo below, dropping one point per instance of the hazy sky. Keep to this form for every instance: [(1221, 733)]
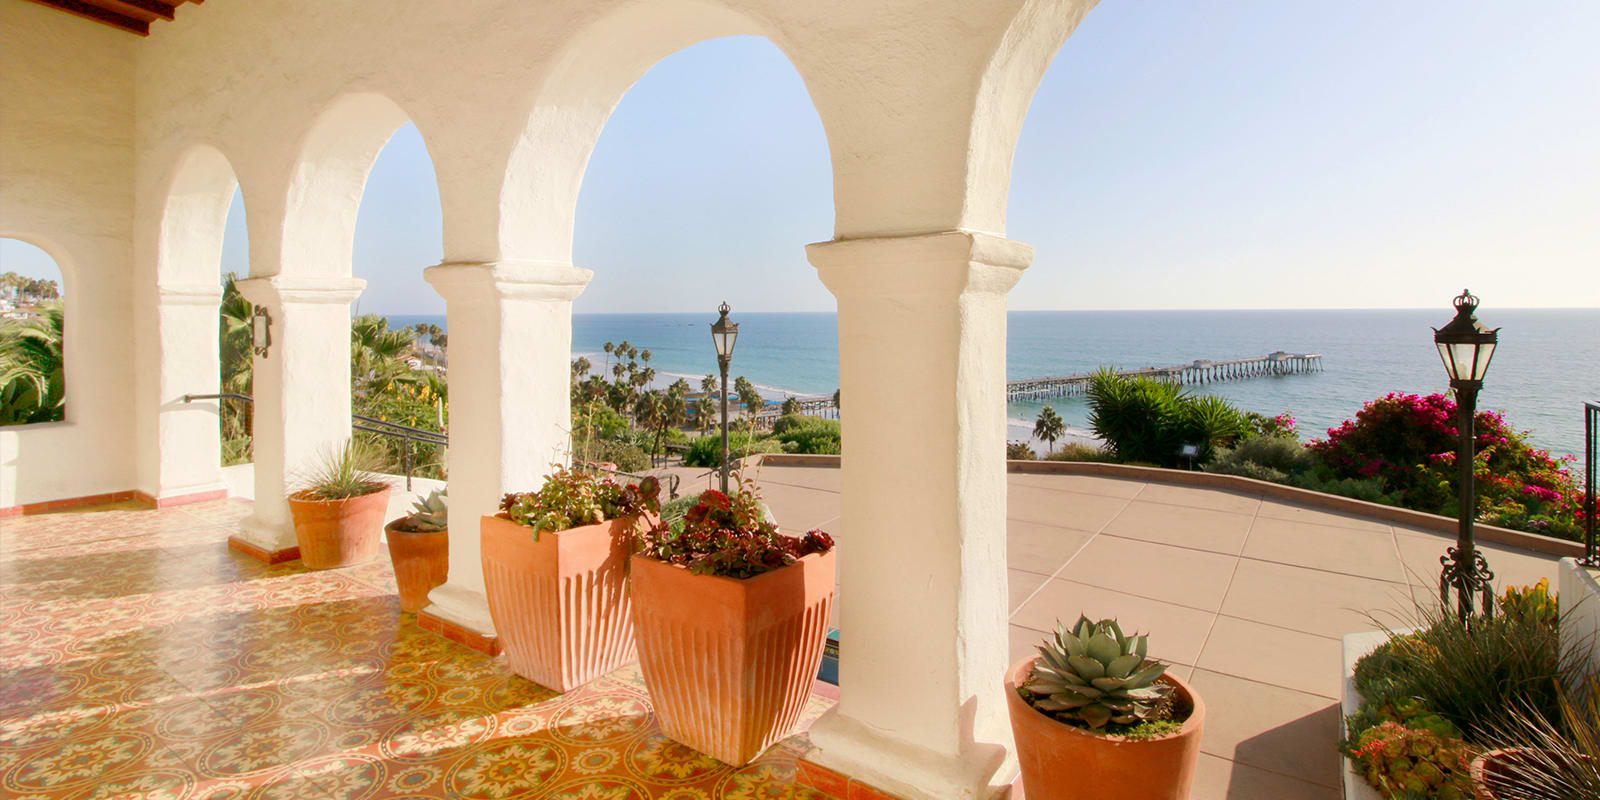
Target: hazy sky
[(1178, 155)]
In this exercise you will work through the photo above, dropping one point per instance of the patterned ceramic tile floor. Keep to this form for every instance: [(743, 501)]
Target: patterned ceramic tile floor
[(140, 658)]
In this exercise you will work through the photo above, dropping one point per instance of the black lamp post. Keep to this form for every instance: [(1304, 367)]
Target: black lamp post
[(724, 334), (1466, 346)]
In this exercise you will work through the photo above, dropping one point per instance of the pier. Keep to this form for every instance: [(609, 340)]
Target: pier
[(1198, 372)]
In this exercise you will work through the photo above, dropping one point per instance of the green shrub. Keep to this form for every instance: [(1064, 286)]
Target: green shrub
[(1142, 419), (1286, 456), (627, 457), (1072, 451), (1476, 674), (810, 435), (1019, 451), (1249, 469), (706, 451), (1320, 480)]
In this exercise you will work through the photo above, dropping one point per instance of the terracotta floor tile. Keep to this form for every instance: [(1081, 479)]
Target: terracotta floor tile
[(1353, 551), (1278, 509), (1276, 729), (1192, 578), (1221, 779), (1198, 528), (1328, 604), (1020, 586), (1041, 549), (1085, 484), (1275, 656), (1194, 497), (1176, 633), (1420, 552), (1075, 510)]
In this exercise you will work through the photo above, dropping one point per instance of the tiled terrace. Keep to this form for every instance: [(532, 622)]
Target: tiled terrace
[(139, 657)]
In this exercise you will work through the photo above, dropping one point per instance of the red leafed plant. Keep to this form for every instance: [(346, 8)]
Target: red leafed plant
[(728, 535)]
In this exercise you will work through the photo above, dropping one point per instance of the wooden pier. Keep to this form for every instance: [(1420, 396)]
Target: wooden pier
[(1199, 372)]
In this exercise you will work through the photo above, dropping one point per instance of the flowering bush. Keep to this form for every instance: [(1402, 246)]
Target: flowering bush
[(1283, 426), (1408, 442), (730, 536), (570, 498)]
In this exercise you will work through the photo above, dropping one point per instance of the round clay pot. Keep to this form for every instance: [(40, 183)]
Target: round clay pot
[(1059, 760), (1497, 767), (339, 533), (421, 562)]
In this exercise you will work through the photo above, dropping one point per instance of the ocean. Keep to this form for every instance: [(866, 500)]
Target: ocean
[(1546, 366)]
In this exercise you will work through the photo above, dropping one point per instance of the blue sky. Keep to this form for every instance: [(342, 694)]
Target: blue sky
[(1177, 155)]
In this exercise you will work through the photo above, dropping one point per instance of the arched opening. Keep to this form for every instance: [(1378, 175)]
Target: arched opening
[(33, 376), (397, 337), (235, 342), (709, 176)]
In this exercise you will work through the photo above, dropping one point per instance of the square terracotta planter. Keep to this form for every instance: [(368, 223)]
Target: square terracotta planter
[(560, 604), (730, 663)]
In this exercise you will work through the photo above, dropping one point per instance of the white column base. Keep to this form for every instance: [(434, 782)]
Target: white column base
[(266, 539), (905, 770)]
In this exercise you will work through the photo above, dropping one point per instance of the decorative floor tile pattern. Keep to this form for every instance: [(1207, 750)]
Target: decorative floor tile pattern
[(141, 658)]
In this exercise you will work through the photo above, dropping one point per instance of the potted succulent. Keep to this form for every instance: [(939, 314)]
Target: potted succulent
[(419, 546), (1095, 719), (731, 617), (555, 565), (338, 513)]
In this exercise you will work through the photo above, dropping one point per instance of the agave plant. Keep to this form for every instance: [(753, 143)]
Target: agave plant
[(431, 514), (1094, 675)]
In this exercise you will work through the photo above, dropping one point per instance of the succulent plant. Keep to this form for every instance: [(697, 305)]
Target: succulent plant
[(1532, 602), (1401, 761), (1094, 675), (430, 514)]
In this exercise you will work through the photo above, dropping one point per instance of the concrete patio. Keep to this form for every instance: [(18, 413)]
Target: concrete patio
[(140, 655)]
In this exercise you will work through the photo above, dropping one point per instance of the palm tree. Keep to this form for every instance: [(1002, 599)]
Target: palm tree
[(791, 405), (748, 396), (236, 350), (32, 369), (1049, 427), (377, 354)]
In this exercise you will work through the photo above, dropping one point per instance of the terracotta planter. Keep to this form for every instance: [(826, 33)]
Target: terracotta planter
[(1059, 760), (1496, 767), (729, 663), (339, 533), (421, 562), (560, 605)]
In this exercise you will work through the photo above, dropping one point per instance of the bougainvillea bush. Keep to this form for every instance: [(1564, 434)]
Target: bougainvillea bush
[(728, 535), (1408, 442)]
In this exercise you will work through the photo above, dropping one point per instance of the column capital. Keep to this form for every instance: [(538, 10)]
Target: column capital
[(279, 290), (944, 262), (189, 294), (507, 279)]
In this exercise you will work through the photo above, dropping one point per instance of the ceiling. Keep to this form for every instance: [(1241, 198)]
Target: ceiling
[(133, 16)]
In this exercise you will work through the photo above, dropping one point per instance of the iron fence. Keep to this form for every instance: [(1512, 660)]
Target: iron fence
[(1591, 452)]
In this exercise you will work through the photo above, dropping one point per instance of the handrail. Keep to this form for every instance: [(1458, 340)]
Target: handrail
[(1591, 443), (360, 422)]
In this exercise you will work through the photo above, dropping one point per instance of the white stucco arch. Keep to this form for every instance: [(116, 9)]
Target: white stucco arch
[(575, 99), (73, 369), (325, 186), (199, 191)]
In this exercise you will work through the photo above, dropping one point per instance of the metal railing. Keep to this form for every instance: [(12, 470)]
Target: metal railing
[(408, 434), (1591, 453)]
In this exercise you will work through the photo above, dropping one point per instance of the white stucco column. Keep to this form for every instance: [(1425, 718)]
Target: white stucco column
[(302, 396), (180, 457), (922, 355), (510, 352)]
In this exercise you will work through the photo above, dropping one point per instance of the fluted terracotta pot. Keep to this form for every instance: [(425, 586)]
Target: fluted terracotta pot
[(560, 604), (1059, 760), (338, 533), (421, 562), (729, 663)]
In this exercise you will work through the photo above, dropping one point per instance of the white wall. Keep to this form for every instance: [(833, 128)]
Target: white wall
[(66, 185)]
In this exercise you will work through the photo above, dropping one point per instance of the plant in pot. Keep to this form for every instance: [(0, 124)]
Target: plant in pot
[(1095, 718), (555, 565), (731, 617), (338, 513), (419, 546)]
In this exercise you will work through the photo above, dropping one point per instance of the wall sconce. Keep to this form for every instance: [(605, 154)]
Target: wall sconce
[(260, 331)]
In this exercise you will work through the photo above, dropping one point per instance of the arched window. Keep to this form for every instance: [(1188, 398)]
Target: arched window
[(33, 382)]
